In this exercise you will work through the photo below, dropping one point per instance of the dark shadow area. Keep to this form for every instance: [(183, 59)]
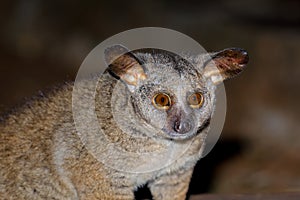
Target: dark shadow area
[(143, 193), (205, 169)]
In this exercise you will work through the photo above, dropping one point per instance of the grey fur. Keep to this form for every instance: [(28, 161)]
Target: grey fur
[(42, 156)]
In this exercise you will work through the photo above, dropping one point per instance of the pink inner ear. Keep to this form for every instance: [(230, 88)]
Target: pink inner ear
[(231, 61), (127, 68), (113, 52), (134, 74), (228, 62), (233, 56)]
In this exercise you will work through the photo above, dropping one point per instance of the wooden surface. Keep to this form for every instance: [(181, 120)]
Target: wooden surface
[(289, 196)]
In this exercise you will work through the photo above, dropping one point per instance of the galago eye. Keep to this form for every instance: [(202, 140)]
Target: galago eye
[(161, 101), (196, 100)]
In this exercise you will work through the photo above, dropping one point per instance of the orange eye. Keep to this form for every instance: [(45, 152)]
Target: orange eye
[(196, 100), (161, 101)]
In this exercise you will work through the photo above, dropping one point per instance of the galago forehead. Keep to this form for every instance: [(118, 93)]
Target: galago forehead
[(170, 78)]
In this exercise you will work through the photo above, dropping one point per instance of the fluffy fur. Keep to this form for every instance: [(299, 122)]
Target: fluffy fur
[(42, 156)]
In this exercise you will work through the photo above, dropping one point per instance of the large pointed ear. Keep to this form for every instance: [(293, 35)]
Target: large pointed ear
[(122, 64), (225, 64)]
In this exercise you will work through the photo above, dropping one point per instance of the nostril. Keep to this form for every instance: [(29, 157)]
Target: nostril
[(182, 127), (177, 126)]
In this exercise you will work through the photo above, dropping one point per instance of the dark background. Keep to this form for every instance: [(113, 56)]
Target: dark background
[(43, 43)]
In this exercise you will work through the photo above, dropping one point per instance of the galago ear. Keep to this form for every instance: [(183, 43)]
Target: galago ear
[(122, 64), (225, 64)]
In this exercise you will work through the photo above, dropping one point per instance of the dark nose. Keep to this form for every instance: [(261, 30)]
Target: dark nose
[(182, 126)]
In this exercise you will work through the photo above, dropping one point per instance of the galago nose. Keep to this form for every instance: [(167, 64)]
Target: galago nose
[(182, 127)]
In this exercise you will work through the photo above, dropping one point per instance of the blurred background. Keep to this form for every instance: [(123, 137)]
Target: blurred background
[(43, 43)]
